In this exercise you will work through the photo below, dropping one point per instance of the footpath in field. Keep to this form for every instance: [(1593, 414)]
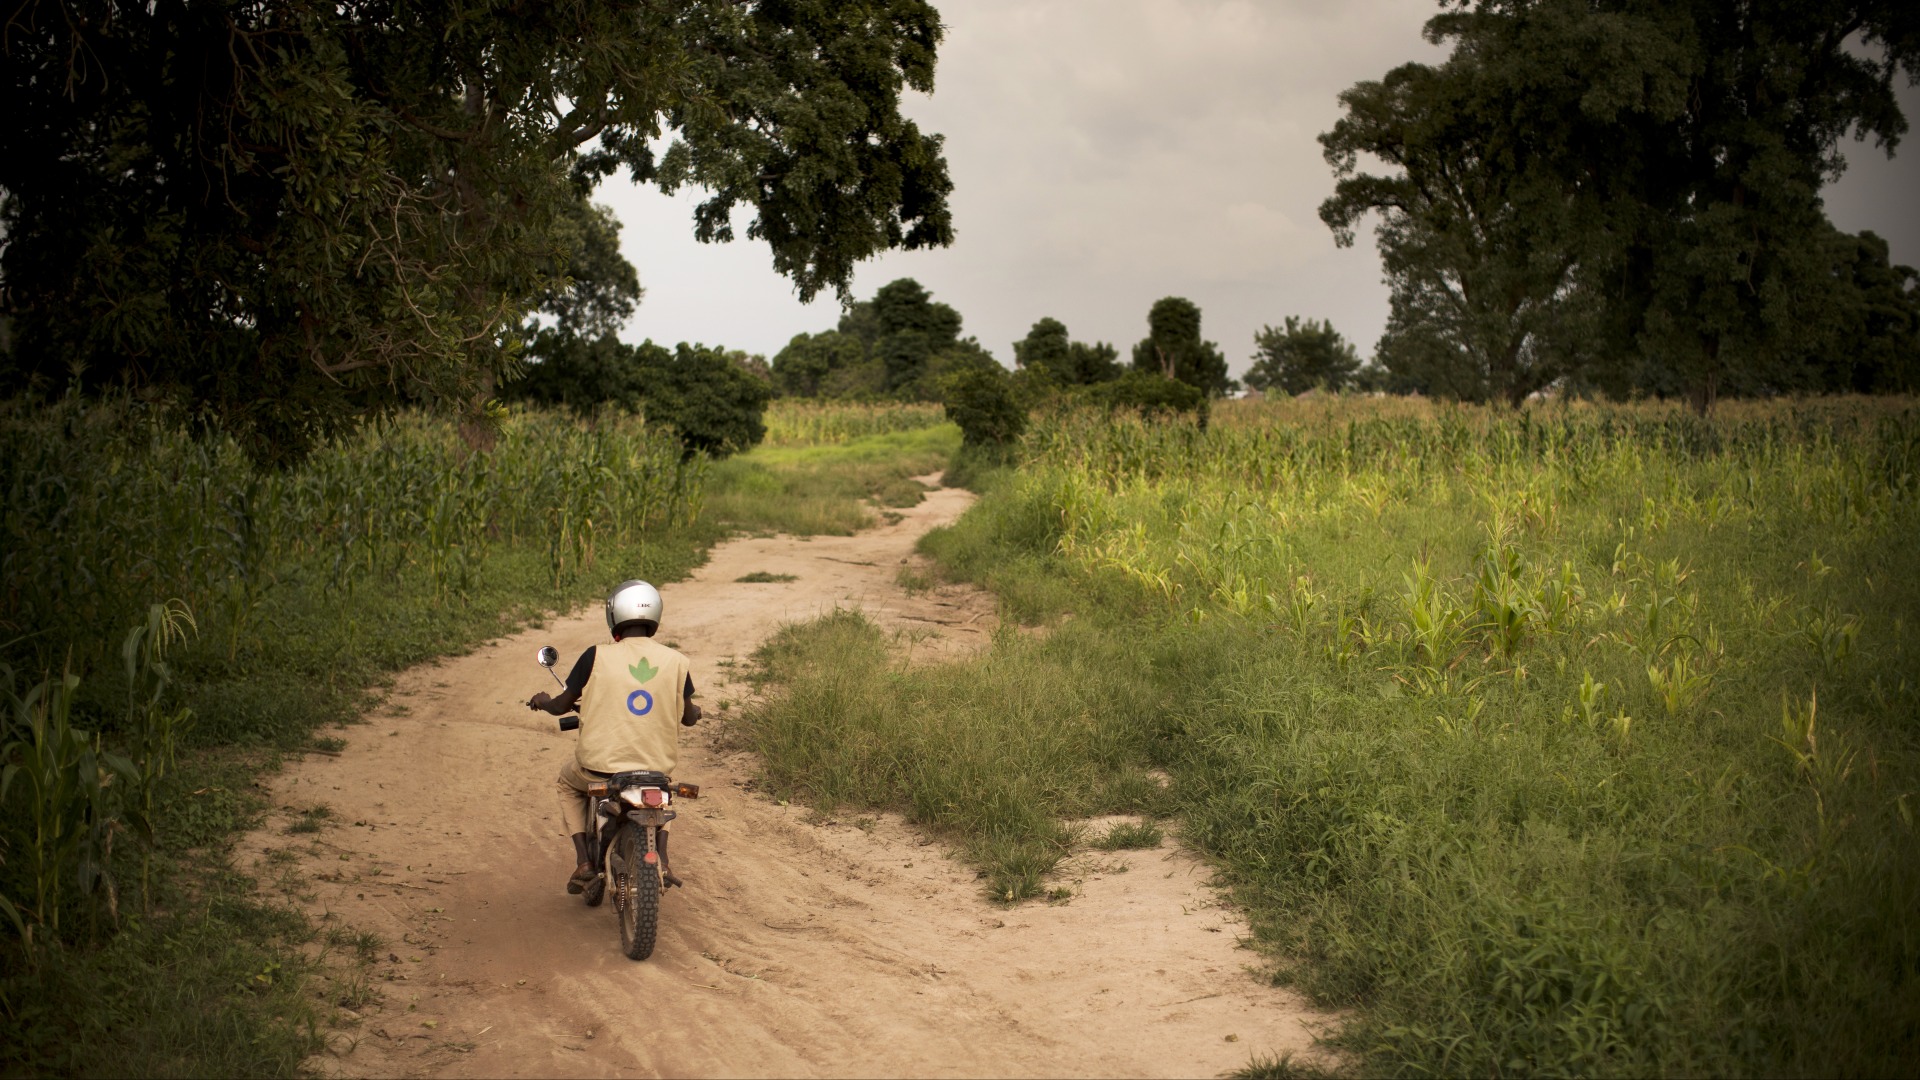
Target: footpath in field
[(799, 947)]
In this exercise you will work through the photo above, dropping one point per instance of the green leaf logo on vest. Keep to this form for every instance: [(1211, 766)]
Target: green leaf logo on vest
[(640, 703)]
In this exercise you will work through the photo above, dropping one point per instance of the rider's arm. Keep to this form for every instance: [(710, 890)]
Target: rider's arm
[(568, 698), (690, 713)]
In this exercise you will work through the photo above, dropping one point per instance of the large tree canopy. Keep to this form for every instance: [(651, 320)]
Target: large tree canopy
[(1174, 349), (902, 343), (705, 394), (1478, 233), (1627, 183), (287, 214), (1303, 355), (830, 364), (1050, 353)]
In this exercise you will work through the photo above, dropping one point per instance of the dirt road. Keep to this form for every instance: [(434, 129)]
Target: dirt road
[(799, 947)]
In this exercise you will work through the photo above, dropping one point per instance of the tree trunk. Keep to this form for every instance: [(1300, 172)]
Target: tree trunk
[(477, 429), (1510, 389), (1707, 390)]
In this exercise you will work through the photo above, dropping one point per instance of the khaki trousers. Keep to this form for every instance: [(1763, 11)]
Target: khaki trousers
[(572, 790)]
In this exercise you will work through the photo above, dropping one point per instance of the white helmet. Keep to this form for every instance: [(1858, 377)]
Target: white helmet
[(634, 600)]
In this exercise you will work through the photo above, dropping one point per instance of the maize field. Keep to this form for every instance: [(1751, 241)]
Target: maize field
[(804, 422), (1576, 740), (108, 513)]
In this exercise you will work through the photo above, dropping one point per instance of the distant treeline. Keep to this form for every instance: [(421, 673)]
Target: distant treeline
[(903, 344)]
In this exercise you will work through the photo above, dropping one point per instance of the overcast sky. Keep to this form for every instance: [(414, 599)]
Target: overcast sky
[(1106, 153)]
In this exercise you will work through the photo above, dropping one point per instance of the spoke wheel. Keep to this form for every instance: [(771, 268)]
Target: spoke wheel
[(636, 891)]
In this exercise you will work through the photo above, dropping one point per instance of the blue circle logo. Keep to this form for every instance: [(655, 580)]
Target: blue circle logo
[(640, 710)]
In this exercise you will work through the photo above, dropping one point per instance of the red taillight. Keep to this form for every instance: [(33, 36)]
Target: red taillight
[(653, 797)]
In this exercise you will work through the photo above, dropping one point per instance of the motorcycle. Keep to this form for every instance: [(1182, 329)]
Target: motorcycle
[(628, 810)]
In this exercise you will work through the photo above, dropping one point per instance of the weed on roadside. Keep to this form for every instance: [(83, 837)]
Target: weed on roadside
[(1130, 836), (913, 580), (311, 820), (1282, 1067)]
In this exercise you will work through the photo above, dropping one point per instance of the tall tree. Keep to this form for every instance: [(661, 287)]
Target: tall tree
[(1710, 182), (1174, 348), (1481, 233), (288, 214), (1302, 356), (705, 394), (1870, 340), (912, 328), (1048, 351), (1643, 174), (1726, 244), (829, 364), (592, 289)]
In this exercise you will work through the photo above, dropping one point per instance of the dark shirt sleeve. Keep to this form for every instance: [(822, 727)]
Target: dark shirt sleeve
[(582, 670)]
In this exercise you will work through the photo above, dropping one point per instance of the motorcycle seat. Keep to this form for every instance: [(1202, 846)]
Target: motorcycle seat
[(638, 778)]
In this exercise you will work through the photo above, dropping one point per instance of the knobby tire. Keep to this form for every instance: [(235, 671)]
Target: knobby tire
[(636, 891)]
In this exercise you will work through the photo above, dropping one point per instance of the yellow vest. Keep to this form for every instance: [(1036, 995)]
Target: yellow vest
[(631, 706)]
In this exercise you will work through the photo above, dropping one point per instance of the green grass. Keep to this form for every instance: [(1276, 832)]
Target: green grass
[(1284, 1067), (1576, 741), (1130, 836), (219, 978), (828, 489), (762, 577), (1014, 751), (311, 820)]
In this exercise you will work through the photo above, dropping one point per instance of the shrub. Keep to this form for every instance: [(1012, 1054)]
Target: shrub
[(715, 404), (980, 400), (1148, 394)]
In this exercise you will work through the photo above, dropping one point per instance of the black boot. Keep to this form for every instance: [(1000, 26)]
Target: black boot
[(582, 873)]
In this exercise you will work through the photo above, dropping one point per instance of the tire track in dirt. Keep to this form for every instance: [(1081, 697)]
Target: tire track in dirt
[(799, 947)]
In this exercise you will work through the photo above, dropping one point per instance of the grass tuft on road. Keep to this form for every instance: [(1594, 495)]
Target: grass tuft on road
[(992, 755)]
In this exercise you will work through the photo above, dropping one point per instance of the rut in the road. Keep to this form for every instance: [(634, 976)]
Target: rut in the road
[(799, 947)]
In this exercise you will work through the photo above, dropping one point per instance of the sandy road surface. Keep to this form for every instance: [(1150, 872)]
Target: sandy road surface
[(847, 948)]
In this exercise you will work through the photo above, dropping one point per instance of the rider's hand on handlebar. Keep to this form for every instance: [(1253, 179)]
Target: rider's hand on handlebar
[(539, 700)]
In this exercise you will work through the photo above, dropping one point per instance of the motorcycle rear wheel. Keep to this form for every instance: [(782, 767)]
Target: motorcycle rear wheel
[(636, 891)]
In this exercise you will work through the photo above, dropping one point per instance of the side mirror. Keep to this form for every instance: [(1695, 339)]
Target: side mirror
[(548, 656)]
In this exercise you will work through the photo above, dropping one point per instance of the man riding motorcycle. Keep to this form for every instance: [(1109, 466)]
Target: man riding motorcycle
[(633, 696)]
